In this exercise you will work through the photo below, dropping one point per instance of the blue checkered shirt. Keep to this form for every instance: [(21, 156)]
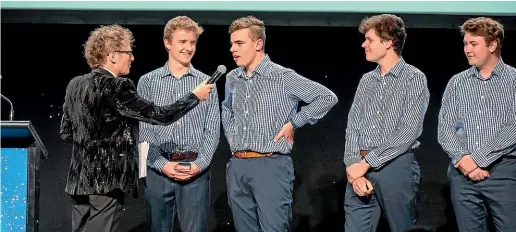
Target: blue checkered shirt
[(256, 108), (197, 131), (387, 115), (478, 117)]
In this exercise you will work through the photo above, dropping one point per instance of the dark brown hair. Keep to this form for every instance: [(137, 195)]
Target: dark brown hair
[(387, 27)]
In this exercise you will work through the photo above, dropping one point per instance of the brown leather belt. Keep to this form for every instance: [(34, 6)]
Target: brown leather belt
[(363, 153), (182, 155), (250, 154)]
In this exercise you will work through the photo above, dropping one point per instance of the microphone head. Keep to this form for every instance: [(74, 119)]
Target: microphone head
[(221, 69)]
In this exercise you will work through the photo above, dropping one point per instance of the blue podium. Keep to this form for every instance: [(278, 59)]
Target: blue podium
[(21, 152)]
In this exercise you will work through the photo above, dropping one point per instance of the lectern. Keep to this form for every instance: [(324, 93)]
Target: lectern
[(20, 157)]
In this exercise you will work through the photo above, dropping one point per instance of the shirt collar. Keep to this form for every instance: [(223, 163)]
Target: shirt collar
[(395, 70), (165, 71), (497, 71), (262, 68)]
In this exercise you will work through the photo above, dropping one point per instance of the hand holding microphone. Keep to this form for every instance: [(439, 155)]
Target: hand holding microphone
[(203, 90)]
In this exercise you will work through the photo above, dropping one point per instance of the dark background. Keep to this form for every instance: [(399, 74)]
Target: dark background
[(38, 60)]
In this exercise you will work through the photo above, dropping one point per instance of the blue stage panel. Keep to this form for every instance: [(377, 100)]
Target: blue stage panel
[(13, 194)]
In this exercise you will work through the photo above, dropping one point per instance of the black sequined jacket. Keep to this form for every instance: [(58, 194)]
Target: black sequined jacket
[(100, 117)]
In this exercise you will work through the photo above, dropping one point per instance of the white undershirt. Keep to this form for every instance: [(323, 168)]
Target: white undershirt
[(109, 71)]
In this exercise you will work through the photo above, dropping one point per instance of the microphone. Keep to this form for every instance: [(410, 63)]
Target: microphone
[(221, 69), (11, 112)]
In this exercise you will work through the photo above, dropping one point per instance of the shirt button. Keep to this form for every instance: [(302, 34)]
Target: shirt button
[(378, 112), (244, 128), (246, 112), (482, 97), (178, 94), (247, 96)]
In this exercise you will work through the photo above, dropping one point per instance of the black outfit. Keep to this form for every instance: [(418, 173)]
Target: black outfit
[(100, 117)]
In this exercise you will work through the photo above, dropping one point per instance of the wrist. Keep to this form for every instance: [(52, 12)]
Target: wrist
[(197, 166), (195, 94), (293, 124), (164, 166), (366, 164)]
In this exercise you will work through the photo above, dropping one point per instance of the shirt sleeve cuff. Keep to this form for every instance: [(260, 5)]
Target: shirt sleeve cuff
[(159, 164), (456, 158), (202, 164), (348, 161), (480, 158), (373, 160), (298, 121), (293, 124)]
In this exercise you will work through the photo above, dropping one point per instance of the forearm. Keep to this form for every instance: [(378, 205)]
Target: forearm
[(145, 111), (352, 152), (211, 135), (319, 98), (203, 161), (155, 159), (352, 148), (227, 116), (397, 145), (450, 141), (316, 110), (501, 144), (450, 130), (65, 129)]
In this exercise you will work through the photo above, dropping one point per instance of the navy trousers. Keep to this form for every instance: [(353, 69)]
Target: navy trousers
[(396, 187), (495, 196), (166, 197), (260, 193)]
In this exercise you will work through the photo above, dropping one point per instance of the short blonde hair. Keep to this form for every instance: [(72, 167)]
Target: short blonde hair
[(256, 25), (488, 28), (181, 22), (103, 40)]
